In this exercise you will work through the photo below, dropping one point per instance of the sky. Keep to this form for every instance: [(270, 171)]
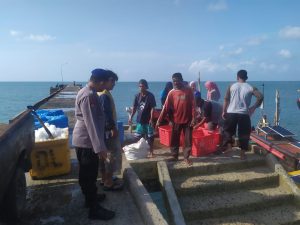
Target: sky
[(55, 40)]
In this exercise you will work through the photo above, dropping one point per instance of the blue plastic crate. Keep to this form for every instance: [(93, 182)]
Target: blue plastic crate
[(55, 117), (50, 112)]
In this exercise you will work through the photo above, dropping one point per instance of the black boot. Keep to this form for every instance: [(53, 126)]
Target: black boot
[(99, 198), (99, 213)]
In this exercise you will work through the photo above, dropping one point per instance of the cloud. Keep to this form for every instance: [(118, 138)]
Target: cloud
[(267, 66), (285, 53), (204, 65), (219, 5), (274, 68), (239, 65), (15, 33), (247, 63), (238, 51), (40, 38), (132, 55), (290, 32), (230, 50), (124, 55), (257, 40), (208, 65), (232, 66), (18, 35)]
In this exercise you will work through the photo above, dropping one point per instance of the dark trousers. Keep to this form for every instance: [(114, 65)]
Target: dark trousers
[(242, 121), (175, 139), (88, 172)]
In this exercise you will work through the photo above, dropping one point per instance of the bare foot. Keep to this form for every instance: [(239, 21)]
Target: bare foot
[(243, 155), (188, 162), (150, 155), (228, 151)]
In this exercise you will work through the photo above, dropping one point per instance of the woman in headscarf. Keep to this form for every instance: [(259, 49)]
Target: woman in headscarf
[(213, 93), (165, 92), (193, 85)]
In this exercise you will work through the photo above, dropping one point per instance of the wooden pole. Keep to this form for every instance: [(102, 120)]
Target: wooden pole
[(41, 121), (199, 83), (277, 110)]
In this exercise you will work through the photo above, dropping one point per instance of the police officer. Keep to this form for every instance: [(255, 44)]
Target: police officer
[(88, 139)]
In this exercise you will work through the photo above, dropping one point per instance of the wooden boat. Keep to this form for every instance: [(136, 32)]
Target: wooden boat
[(278, 140), (298, 100), (284, 147)]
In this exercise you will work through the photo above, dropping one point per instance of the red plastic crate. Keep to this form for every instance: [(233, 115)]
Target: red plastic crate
[(156, 113), (165, 135), (204, 142)]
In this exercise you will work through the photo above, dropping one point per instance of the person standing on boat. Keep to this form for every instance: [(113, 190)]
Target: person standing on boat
[(180, 107), (237, 111), (114, 155), (144, 103), (88, 139), (213, 93)]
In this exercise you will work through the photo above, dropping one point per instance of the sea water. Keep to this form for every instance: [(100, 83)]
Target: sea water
[(15, 96)]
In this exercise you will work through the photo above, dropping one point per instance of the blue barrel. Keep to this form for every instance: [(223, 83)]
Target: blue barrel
[(121, 131)]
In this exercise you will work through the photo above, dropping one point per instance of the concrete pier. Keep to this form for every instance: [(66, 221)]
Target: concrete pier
[(215, 190), (58, 200)]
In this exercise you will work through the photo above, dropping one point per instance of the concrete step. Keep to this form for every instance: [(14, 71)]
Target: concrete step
[(256, 177), (209, 165), (216, 205), (284, 214)]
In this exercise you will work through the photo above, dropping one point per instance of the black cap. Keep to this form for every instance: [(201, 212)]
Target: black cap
[(99, 75)]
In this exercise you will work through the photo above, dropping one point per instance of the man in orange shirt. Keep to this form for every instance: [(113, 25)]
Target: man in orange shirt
[(180, 107)]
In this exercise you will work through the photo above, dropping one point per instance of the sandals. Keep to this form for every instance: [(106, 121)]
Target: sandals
[(114, 178), (114, 187), (172, 159)]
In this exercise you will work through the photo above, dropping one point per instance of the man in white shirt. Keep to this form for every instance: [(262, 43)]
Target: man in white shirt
[(237, 111)]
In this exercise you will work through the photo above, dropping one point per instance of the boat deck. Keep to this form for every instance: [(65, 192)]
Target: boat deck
[(289, 144), (286, 149)]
